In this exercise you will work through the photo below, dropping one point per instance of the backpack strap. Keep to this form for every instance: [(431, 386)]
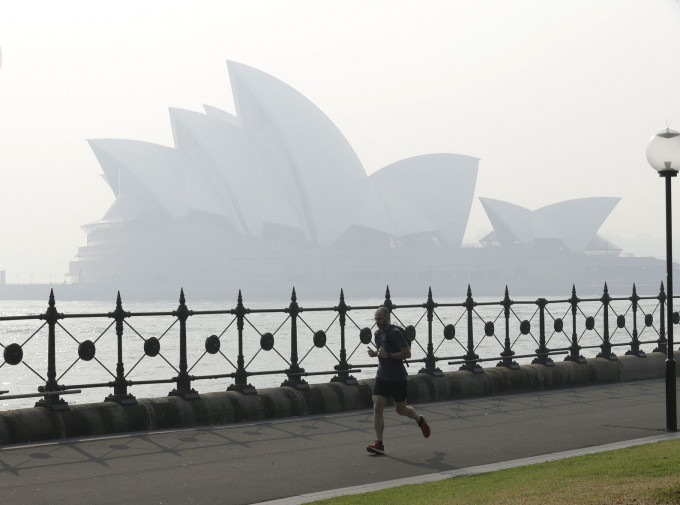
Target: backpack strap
[(403, 334)]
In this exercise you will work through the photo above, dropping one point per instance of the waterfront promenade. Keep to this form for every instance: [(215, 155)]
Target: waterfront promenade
[(281, 460)]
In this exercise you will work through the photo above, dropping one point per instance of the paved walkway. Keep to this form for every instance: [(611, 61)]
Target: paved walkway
[(298, 460)]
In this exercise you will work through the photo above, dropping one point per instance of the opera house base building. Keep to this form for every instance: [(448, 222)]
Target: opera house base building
[(275, 197), (409, 272)]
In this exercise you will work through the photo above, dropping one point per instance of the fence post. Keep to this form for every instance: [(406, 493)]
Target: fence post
[(183, 388), (120, 394), (241, 376), (606, 344), (635, 343), (342, 367), (470, 356), (542, 356), (430, 359), (507, 353), (663, 343), (53, 402), (294, 372), (574, 348)]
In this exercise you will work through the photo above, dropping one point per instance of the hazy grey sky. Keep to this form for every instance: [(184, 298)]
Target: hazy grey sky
[(557, 98)]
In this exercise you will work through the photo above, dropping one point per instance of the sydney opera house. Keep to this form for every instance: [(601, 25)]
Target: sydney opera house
[(275, 197)]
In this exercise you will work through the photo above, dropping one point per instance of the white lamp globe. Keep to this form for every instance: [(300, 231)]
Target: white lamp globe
[(663, 151)]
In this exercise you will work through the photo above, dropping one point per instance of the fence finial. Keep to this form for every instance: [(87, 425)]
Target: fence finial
[(506, 299), (430, 305), (388, 300)]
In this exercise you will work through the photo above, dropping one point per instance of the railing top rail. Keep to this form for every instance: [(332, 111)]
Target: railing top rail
[(460, 304), (20, 318), (316, 309), (489, 303), (369, 307), (533, 302), (215, 312), (406, 306), (145, 314), (263, 311)]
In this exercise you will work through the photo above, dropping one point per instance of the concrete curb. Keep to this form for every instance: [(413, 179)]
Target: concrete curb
[(34, 424)]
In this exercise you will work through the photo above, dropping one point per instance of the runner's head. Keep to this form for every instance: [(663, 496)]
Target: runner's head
[(382, 318)]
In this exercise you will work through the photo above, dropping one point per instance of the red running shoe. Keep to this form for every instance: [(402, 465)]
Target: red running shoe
[(424, 427), (376, 448)]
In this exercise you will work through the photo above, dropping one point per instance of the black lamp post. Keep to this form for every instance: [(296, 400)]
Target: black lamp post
[(663, 154)]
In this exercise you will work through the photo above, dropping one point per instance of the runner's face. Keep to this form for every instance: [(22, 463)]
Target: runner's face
[(381, 320)]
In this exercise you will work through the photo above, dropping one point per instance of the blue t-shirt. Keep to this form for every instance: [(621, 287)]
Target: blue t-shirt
[(392, 340)]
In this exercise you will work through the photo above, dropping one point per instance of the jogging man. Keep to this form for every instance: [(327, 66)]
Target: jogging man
[(391, 378)]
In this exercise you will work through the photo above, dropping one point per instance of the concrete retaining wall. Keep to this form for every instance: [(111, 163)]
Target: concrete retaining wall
[(34, 424)]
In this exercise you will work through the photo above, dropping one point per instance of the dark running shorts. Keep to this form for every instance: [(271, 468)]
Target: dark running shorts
[(395, 389)]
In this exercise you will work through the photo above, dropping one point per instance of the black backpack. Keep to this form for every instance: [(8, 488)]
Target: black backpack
[(405, 332)]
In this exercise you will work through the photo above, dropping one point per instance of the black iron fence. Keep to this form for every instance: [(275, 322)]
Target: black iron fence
[(239, 344)]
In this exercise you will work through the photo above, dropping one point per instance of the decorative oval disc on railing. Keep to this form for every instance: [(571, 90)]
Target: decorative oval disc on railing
[(449, 332), (267, 341), (621, 321), (13, 354), (649, 320), (365, 336), (152, 347), (558, 325), (212, 344), (410, 332), (320, 339), (525, 327), (590, 323), (86, 350), (676, 318), (489, 328)]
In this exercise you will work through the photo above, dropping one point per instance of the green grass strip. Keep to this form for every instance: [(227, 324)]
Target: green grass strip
[(640, 475)]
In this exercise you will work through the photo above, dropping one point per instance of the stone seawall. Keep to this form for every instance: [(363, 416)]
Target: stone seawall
[(36, 424)]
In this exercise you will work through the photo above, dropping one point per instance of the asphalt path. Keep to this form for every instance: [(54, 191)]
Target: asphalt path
[(256, 462)]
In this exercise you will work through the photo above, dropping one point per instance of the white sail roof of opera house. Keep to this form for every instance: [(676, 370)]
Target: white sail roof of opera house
[(225, 155), (577, 221), (574, 222), (303, 144), (281, 165), (440, 185), (144, 177)]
